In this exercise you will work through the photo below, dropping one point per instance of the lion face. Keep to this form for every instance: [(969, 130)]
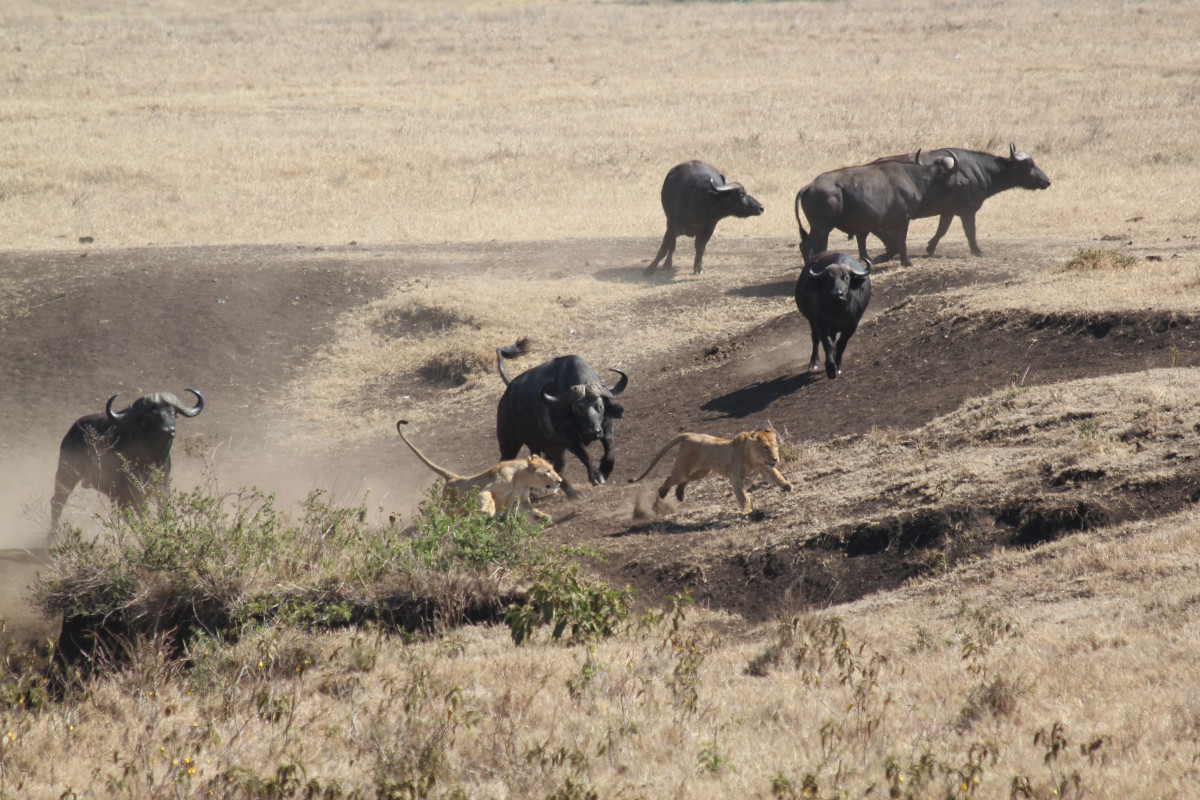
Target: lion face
[(763, 448), (540, 473)]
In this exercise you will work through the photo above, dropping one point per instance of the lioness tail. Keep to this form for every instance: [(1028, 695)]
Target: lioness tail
[(661, 453), (448, 475)]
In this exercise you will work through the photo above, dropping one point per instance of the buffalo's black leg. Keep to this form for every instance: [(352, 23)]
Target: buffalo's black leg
[(968, 221), (667, 249), (943, 227), (702, 242), (901, 245), (862, 245), (510, 446), (556, 460), (609, 459), (679, 491), (814, 362), (817, 242), (63, 484), (841, 346), (831, 367), (579, 451), (888, 237)]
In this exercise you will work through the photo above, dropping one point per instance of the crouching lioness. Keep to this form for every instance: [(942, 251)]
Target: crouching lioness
[(506, 484), (736, 458)]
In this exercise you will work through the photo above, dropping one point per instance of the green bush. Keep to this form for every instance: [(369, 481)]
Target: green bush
[(231, 559), (591, 609)]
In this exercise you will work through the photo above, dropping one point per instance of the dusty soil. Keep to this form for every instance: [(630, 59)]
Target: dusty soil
[(240, 323)]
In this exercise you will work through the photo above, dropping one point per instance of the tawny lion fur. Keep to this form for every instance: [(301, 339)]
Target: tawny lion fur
[(735, 459), (506, 484)]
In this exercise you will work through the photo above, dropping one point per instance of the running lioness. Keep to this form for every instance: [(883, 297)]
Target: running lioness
[(736, 458), (506, 484)]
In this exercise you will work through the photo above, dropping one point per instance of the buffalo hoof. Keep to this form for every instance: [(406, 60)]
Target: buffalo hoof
[(814, 365), (831, 371)]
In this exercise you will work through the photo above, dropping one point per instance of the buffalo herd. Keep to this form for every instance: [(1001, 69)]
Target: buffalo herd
[(562, 405)]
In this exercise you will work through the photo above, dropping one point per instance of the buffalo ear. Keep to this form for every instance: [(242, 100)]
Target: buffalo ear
[(614, 410)]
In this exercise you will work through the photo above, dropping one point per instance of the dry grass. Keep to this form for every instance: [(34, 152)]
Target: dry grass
[(1128, 429), (986, 656), (1096, 280), (328, 123)]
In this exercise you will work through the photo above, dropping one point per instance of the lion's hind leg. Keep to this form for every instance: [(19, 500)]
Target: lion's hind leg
[(487, 503), (683, 475)]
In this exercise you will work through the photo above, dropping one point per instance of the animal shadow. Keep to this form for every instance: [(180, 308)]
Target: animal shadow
[(774, 289), (631, 275), (671, 527), (758, 396)]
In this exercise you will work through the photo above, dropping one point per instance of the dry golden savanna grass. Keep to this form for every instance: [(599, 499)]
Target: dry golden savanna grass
[(326, 122), (1084, 644)]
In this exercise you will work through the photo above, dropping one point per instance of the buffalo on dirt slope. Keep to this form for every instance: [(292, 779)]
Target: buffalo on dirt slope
[(560, 405), (832, 293), (872, 198), (980, 175), (695, 197), (121, 454)]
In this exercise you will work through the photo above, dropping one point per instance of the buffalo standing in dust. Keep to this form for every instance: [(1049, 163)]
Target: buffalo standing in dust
[(873, 198), (561, 405), (832, 293), (980, 175), (695, 197), (121, 454)]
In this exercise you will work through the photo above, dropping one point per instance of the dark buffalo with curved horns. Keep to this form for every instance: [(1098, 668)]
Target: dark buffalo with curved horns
[(695, 197), (832, 293), (561, 405), (873, 198), (980, 175), (121, 454)]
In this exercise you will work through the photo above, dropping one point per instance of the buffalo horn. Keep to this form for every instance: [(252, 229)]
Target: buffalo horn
[(572, 395), (621, 384), (188, 412), (1015, 154), (809, 267), (863, 268), (729, 187), (109, 410), (949, 162)]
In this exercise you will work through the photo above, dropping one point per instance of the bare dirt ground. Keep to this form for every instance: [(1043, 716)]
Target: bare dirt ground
[(242, 323)]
